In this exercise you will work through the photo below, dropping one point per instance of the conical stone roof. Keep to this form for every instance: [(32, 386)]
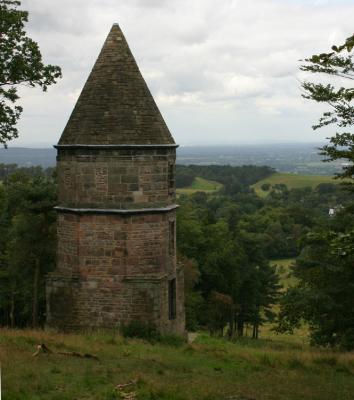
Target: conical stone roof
[(115, 106)]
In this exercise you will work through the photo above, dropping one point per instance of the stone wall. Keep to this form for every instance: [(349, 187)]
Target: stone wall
[(117, 178), (113, 269)]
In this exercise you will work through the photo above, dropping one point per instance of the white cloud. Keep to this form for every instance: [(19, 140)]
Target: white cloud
[(233, 61)]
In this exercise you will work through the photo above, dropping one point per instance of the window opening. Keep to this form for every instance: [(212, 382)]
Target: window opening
[(172, 299), (171, 176), (171, 245)]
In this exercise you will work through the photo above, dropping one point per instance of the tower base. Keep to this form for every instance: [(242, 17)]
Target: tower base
[(113, 270)]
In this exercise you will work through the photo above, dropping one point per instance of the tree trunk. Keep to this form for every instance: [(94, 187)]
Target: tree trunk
[(240, 326), (12, 309), (35, 295), (255, 330), (231, 329)]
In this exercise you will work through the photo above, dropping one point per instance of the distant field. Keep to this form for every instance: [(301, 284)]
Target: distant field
[(201, 185), (283, 270), (292, 181), (301, 335)]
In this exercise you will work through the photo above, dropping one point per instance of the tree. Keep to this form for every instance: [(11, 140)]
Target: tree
[(235, 286), (20, 64), (27, 247), (336, 64), (324, 295)]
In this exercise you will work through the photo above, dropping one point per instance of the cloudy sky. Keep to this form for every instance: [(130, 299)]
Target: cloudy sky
[(221, 71)]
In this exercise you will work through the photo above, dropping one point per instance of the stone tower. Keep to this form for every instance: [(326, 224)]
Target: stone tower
[(116, 259)]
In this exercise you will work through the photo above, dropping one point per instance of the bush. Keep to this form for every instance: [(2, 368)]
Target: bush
[(326, 360), (148, 331), (172, 340), (265, 187), (141, 330), (295, 363)]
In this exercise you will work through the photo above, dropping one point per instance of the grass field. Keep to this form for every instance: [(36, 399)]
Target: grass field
[(301, 335), (292, 181), (201, 185), (208, 369), (283, 270)]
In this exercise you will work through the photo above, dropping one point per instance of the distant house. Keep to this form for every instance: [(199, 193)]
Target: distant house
[(333, 211)]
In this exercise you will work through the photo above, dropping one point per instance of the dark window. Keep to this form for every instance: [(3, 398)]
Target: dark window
[(171, 236), (172, 299), (171, 177)]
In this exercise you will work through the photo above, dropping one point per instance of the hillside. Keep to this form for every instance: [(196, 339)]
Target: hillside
[(283, 271), (208, 369), (292, 181), (200, 185)]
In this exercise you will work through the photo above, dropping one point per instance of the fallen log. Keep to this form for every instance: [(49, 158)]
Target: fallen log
[(124, 385), (75, 354), (42, 348)]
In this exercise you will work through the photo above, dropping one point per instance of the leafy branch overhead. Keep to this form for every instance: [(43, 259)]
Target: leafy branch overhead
[(20, 64), (323, 296), (338, 65)]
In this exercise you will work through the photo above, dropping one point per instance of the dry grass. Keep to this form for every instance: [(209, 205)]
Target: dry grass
[(209, 369)]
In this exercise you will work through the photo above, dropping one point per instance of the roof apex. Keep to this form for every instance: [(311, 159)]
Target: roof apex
[(115, 106)]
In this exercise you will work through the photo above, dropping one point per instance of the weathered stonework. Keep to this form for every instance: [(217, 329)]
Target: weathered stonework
[(119, 178), (116, 259)]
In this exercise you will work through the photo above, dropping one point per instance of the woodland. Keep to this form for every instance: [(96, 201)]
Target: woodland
[(226, 242)]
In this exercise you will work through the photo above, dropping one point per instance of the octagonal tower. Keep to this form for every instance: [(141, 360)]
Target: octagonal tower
[(116, 259)]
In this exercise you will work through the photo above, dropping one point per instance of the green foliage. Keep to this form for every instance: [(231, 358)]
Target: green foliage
[(193, 300), (336, 64), (324, 295), (234, 179), (236, 282), (27, 247), (139, 329), (147, 331), (227, 240), (224, 241), (20, 64), (265, 187)]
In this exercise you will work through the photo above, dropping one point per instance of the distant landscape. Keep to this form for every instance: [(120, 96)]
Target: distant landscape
[(300, 158)]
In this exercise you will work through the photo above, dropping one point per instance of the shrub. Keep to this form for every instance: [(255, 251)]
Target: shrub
[(267, 360), (265, 187), (148, 331), (140, 329), (172, 340), (295, 363), (326, 360)]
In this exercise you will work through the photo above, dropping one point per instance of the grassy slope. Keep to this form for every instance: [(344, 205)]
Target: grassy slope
[(301, 335), (209, 369), (292, 181), (283, 270), (201, 185)]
